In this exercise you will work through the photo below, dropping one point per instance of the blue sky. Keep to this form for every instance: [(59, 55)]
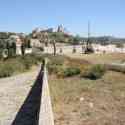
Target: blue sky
[(107, 17)]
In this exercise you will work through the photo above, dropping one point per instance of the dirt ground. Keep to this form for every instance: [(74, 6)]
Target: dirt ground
[(13, 92), (79, 101)]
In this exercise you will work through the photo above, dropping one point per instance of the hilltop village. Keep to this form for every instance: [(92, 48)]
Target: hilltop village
[(43, 39)]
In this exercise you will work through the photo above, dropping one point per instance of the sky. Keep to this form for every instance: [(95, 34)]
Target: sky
[(107, 17)]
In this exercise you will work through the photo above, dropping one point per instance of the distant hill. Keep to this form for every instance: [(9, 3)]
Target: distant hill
[(105, 40)]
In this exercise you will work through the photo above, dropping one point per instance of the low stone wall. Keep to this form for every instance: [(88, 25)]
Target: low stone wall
[(116, 67), (46, 114)]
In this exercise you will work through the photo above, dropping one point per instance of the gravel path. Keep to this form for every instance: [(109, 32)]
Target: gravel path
[(13, 91)]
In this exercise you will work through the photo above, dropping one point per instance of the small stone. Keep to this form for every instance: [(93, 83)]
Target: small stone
[(82, 99), (91, 105)]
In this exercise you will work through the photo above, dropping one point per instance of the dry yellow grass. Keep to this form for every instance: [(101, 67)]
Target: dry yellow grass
[(79, 101), (100, 58)]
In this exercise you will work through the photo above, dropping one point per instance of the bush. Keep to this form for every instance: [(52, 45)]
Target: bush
[(55, 64), (18, 64), (53, 68), (65, 66), (1, 55), (74, 50), (28, 61), (63, 71), (57, 60), (6, 70), (119, 45), (71, 71), (94, 72)]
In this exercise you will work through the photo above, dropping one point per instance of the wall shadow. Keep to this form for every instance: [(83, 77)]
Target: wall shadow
[(29, 111)]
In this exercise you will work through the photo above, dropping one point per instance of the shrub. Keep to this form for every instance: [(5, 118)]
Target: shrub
[(63, 71), (74, 50), (28, 61), (53, 68), (57, 60), (31, 59), (6, 70), (94, 72), (27, 64), (55, 64), (65, 66), (18, 64), (1, 55), (119, 45), (70, 71), (39, 59)]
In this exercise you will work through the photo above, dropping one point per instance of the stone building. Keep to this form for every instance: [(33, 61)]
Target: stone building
[(18, 41), (60, 29), (35, 43)]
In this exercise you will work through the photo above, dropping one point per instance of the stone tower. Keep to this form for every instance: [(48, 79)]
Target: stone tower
[(60, 28)]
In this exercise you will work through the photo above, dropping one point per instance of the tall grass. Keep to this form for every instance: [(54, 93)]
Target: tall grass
[(18, 64), (94, 72)]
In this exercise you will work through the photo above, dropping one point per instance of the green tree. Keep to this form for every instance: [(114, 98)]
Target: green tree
[(23, 49), (54, 47), (14, 48), (76, 40)]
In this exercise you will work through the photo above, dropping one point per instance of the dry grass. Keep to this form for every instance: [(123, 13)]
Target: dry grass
[(100, 58), (79, 101)]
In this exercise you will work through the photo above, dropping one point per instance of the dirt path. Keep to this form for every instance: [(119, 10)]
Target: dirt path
[(13, 91)]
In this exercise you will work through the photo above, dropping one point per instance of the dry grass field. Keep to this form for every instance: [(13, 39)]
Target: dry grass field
[(100, 58), (79, 101), (75, 100)]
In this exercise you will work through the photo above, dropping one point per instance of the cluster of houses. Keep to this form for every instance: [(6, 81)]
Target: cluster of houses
[(39, 38), (19, 40)]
